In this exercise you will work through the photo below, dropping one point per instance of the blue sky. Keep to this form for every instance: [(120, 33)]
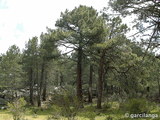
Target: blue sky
[(23, 19)]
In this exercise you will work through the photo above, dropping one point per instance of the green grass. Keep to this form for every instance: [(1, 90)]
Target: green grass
[(109, 111)]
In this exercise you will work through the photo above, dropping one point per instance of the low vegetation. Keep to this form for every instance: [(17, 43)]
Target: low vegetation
[(17, 109), (110, 111)]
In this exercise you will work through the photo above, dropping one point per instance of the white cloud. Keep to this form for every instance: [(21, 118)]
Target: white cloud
[(23, 19)]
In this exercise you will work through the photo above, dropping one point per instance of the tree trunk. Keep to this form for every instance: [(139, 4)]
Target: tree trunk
[(44, 91), (79, 75), (44, 88), (61, 79), (112, 89), (90, 85), (57, 78), (104, 83), (100, 80), (158, 86), (159, 90), (31, 86), (39, 98), (39, 85)]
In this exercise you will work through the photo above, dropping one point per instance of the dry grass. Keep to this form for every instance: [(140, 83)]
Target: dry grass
[(9, 117), (6, 116)]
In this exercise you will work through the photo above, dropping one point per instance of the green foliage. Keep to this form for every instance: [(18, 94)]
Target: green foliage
[(17, 108), (30, 54), (145, 11), (48, 48), (137, 105), (89, 114), (3, 102), (56, 114), (129, 7), (11, 74), (66, 104), (82, 26)]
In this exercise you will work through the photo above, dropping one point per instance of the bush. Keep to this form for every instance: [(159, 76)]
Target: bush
[(57, 112), (17, 108), (90, 115), (65, 104), (135, 106)]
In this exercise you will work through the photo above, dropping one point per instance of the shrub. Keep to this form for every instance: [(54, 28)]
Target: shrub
[(66, 104), (17, 108), (57, 112), (89, 115), (137, 105)]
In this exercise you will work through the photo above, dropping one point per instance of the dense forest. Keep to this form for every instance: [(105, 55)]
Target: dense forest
[(88, 66)]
